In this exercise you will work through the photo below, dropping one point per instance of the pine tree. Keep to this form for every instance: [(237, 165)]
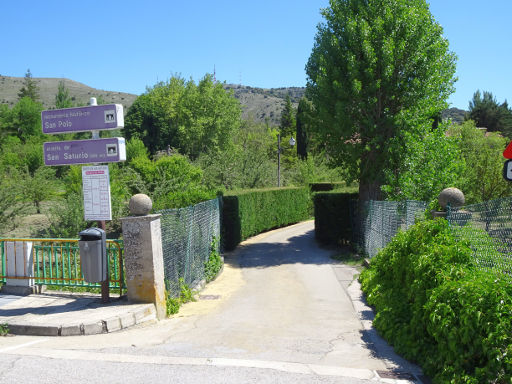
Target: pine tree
[(287, 126), (29, 88), (62, 98), (486, 112)]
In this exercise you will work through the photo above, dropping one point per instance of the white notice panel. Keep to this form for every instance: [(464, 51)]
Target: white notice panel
[(96, 186)]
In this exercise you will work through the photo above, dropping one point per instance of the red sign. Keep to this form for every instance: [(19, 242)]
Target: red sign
[(507, 153)]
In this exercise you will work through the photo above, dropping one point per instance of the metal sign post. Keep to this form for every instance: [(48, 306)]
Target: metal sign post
[(96, 182)]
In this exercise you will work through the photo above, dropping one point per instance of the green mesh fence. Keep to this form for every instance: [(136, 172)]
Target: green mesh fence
[(488, 229), (376, 222), (187, 235)]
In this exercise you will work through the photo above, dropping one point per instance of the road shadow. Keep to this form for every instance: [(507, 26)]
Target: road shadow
[(41, 305), (301, 249)]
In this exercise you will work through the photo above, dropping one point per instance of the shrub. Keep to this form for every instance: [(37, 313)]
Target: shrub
[(436, 308), (214, 263), (247, 213), (174, 300), (470, 322), (332, 217)]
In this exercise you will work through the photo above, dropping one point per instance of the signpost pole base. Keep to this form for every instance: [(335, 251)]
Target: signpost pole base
[(105, 289)]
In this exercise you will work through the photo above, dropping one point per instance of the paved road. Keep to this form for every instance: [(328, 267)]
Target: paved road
[(282, 311)]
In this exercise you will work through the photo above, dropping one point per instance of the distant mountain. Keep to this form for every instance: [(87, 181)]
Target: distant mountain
[(456, 115), (80, 93), (265, 105)]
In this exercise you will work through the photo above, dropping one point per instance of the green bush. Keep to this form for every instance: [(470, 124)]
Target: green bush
[(174, 300), (436, 308), (214, 263), (247, 213), (332, 217), (470, 322)]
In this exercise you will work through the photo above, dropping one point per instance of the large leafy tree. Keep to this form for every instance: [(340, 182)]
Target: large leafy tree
[(378, 69), (483, 154), (23, 120), (486, 112), (193, 118), (251, 163)]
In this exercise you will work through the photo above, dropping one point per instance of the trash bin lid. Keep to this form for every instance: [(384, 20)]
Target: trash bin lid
[(91, 234)]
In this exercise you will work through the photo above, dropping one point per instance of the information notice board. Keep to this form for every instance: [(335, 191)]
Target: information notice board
[(96, 187)]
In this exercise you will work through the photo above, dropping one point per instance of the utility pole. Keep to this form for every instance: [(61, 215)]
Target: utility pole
[(278, 159)]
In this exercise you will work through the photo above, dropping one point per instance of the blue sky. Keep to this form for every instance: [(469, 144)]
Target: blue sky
[(128, 45)]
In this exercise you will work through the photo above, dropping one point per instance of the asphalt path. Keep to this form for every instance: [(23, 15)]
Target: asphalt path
[(282, 311)]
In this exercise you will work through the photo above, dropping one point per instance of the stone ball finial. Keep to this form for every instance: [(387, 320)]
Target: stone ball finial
[(453, 196), (140, 204)]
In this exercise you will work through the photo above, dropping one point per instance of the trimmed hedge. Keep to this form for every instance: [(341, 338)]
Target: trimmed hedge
[(332, 217), (436, 308), (324, 187), (247, 213)]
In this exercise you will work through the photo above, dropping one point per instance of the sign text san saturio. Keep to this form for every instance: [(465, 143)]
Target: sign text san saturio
[(108, 150)]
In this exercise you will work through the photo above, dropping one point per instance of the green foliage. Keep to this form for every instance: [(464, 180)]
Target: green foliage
[(469, 319), (313, 169), (41, 186), (250, 163), (378, 69), (437, 309), (302, 127), (4, 329), (67, 217), (214, 263), (174, 301), (288, 120), (11, 198), (23, 120), (135, 148), (171, 181), (192, 118), (62, 98), (26, 156), (482, 153), (488, 113), (332, 217), (427, 166), (247, 213), (29, 88)]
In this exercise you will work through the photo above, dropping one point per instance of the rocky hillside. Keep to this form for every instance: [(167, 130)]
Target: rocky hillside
[(264, 105), (80, 93)]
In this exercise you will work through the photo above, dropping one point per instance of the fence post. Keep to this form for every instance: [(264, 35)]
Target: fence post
[(18, 262), (143, 254)]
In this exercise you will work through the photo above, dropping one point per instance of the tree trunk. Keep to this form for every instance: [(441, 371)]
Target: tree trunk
[(369, 190)]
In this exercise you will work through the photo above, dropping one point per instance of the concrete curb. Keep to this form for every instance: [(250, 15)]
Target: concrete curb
[(146, 313)]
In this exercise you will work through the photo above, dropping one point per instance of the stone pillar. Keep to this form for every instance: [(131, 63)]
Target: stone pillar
[(143, 255)]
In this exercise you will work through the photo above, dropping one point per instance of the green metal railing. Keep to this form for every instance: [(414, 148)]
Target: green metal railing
[(55, 262)]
